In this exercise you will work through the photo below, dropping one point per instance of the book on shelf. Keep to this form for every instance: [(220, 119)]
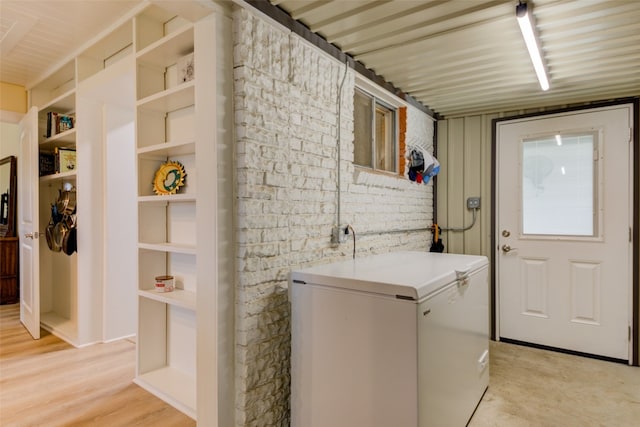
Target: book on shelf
[(58, 123), (61, 160), (47, 163), (65, 159)]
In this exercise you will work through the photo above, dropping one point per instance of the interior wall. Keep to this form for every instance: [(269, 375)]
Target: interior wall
[(13, 98), (9, 139), (286, 94), (464, 151)]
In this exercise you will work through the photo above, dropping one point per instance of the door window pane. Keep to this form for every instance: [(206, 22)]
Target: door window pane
[(558, 196)]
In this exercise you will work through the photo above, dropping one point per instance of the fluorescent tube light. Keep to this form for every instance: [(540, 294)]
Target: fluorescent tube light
[(525, 20)]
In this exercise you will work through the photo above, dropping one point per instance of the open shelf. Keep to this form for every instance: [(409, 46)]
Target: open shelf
[(57, 89), (71, 175), (168, 149), (169, 247), (59, 325), (168, 49), (178, 297), (172, 99), (66, 139), (174, 198), (65, 103), (172, 386)]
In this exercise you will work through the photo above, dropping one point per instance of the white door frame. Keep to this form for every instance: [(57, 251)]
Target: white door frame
[(634, 358)]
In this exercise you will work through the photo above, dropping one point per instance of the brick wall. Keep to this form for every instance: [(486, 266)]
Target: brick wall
[(285, 95)]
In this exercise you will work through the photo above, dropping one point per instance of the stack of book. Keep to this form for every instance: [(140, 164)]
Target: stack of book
[(60, 161), (58, 123)]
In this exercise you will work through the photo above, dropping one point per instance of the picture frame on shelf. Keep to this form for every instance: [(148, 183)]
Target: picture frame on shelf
[(186, 68)]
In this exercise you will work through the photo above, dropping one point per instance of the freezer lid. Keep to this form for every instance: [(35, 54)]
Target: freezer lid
[(406, 274)]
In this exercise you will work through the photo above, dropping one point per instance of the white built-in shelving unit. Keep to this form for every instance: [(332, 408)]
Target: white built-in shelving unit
[(173, 123), (184, 338), (72, 298)]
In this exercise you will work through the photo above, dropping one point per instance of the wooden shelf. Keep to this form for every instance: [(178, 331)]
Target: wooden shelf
[(59, 325), (178, 297), (172, 386), (172, 99), (169, 49), (168, 247), (70, 176), (66, 139), (168, 149), (65, 103), (54, 91), (174, 198)]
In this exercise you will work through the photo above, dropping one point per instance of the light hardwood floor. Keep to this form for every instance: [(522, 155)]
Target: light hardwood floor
[(48, 382)]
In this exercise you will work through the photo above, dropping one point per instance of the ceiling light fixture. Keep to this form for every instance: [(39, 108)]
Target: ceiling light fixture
[(527, 26)]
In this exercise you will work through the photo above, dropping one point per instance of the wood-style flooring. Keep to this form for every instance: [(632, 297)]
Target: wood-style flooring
[(50, 383)]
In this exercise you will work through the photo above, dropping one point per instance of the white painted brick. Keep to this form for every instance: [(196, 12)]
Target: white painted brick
[(286, 130)]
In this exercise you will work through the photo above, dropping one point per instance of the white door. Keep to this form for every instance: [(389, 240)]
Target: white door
[(28, 220), (563, 230)]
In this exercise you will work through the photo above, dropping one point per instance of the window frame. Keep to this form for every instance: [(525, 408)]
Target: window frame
[(597, 188), (386, 100)]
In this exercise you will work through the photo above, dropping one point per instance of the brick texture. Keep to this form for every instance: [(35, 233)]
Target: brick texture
[(286, 96)]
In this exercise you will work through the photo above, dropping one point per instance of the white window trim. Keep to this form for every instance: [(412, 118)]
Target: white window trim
[(372, 88)]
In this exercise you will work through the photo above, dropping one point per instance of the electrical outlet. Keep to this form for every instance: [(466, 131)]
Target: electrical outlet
[(339, 234), (473, 203)]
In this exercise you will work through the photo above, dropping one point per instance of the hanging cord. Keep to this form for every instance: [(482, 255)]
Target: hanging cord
[(462, 228), (354, 239)]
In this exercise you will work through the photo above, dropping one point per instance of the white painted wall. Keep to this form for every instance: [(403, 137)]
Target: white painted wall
[(285, 95), (9, 139)]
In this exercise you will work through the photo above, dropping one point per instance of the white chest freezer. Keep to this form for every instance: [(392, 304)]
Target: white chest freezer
[(393, 340)]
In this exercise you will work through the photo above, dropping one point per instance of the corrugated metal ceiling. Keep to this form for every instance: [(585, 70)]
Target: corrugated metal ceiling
[(463, 57)]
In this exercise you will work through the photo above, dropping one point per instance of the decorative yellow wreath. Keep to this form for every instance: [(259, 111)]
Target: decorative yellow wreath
[(169, 178)]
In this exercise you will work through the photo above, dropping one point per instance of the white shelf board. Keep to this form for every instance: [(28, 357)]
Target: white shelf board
[(173, 99), (168, 149), (66, 139), (174, 198), (172, 386), (169, 49), (177, 297), (71, 175), (59, 325), (169, 247), (65, 103)]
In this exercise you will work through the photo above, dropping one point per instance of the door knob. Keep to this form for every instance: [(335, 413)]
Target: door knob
[(506, 248), (33, 235)]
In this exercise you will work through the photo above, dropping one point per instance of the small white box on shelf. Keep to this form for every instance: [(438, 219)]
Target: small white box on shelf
[(186, 68)]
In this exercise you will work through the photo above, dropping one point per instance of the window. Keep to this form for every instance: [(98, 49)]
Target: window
[(559, 185), (375, 133)]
